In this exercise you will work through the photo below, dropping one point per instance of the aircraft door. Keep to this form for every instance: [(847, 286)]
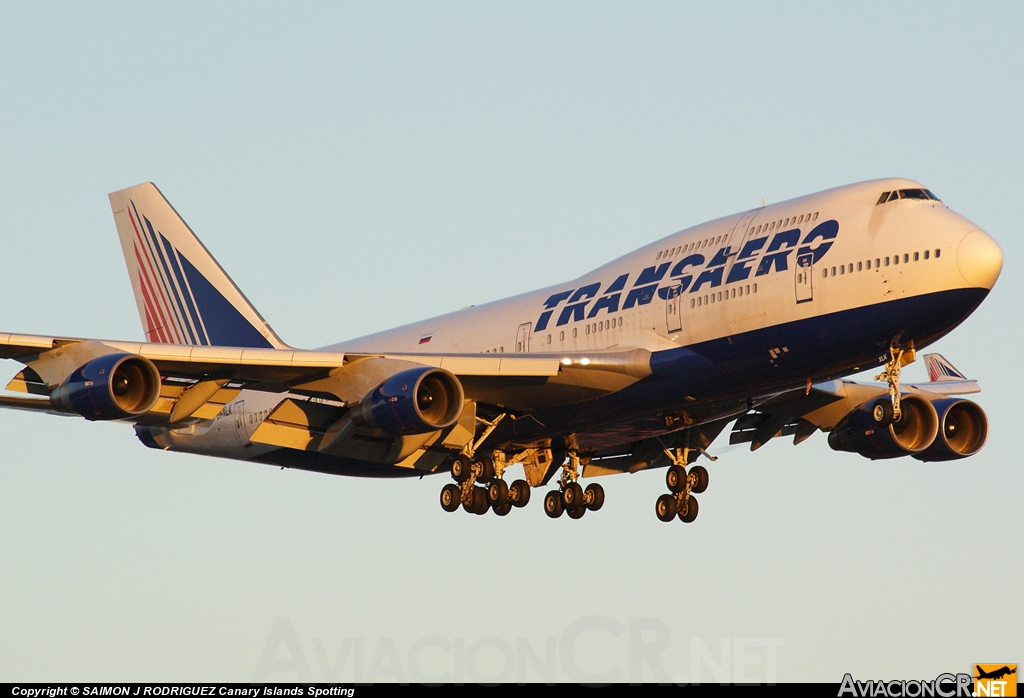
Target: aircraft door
[(523, 337), (238, 417), (673, 309), (741, 233), (805, 278)]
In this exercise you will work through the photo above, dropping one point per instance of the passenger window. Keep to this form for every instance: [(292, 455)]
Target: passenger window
[(886, 261), (877, 262), (755, 288), (833, 271), (698, 301), (658, 257), (815, 216), (549, 339), (851, 267), (824, 273), (748, 289), (860, 266), (842, 269), (926, 254), (906, 257), (938, 253), (691, 303), (588, 329), (574, 333), (917, 256), (561, 336), (734, 293), (895, 259)]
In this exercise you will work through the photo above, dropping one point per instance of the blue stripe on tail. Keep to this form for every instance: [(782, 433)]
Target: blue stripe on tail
[(225, 326)]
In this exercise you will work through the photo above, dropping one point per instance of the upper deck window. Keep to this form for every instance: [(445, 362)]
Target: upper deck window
[(920, 194)]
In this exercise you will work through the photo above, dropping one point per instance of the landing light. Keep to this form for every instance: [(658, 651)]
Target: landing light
[(585, 362), (567, 361)]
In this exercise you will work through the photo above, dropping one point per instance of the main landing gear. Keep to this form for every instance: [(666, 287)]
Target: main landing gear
[(494, 493), (682, 485), (570, 497)]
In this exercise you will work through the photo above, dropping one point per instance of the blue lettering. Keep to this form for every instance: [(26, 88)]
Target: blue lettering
[(651, 275), (611, 303), (714, 276), (826, 231), (789, 238), (639, 296)]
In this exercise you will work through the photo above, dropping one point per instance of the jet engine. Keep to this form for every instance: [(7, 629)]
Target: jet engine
[(963, 430), (415, 401), (113, 386), (871, 431)]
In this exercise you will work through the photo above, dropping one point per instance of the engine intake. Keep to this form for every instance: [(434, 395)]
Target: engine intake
[(114, 386), (414, 401), (870, 431), (963, 430)]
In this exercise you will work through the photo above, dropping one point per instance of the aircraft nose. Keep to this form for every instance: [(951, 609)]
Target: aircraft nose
[(980, 259)]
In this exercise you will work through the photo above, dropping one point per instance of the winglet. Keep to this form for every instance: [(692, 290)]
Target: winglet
[(183, 294)]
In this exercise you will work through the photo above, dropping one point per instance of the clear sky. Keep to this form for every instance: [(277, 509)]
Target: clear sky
[(355, 166)]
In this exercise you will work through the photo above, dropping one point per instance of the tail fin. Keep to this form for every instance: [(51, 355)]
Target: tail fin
[(183, 294), (941, 370)]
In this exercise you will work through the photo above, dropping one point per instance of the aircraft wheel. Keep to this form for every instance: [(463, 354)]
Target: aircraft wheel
[(480, 500), (486, 469), (576, 513), (502, 509), (553, 504), (497, 493), (688, 512), (519, 493), (593, 497), (450, 497), (701, 475), (675, 478), (461, 469), (665, 507), (881, 412), (572, 496)]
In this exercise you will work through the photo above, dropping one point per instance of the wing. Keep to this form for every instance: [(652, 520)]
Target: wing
[(207, 377)]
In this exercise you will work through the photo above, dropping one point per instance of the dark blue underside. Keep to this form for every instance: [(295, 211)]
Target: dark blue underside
[(723, 372)]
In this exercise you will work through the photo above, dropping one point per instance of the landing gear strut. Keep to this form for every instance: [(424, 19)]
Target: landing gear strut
[(898, 358), (570, 497), (479, 486), (682, 485)]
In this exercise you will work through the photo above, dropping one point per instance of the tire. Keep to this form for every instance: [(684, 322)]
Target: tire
[(572, 496), (497, 493), (553, 504), (881, 412), (461, 469), (519, 493), (593, 497), (503, 510), (665, 507), (480, 500), (675, 478), (690, 513), (450, 497), (700, 473), (486, 469), (576, 513)]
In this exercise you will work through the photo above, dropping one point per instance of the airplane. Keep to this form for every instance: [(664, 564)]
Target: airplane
[(754, 319), (995, 674)]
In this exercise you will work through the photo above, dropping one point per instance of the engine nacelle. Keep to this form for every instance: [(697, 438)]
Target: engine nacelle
[(414, 401), (870, 431), (113, 386), (963, 430)]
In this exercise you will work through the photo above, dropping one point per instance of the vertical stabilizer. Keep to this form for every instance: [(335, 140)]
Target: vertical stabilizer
[(183, 294)]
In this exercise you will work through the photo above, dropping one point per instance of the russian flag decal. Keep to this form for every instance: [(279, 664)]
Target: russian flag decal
[(425, 338)]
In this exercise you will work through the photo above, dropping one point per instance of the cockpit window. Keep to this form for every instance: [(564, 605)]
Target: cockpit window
[(920, 194)]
